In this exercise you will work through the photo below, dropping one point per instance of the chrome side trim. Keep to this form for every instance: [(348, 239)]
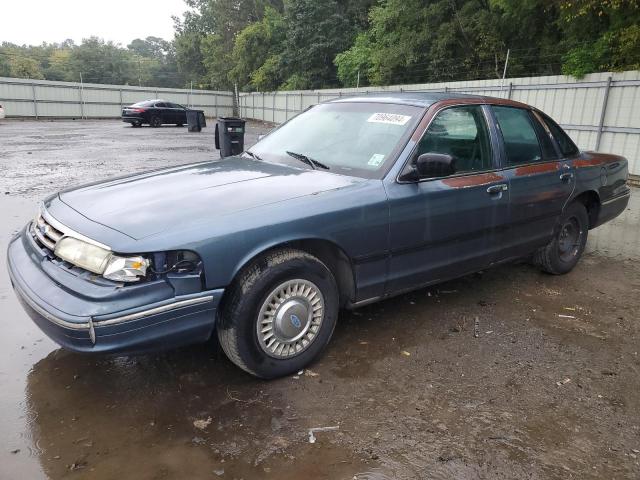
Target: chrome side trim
[(68, 232), (618, 198), (91, 324), (153, 311)]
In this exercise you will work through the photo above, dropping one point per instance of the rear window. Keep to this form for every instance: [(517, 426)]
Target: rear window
[(146, 103)]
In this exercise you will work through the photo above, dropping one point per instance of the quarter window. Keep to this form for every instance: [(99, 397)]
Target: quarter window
[(462, 133), (567, 147), (520, 140), (549, 151)]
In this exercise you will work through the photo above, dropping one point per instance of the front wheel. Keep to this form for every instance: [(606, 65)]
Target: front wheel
[(279, 314), (155, 121), (567, 245)]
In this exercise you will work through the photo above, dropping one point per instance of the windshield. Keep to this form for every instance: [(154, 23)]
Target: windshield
[(349, 138)]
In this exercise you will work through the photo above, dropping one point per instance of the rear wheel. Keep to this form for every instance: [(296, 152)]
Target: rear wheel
[(155, 121), (280, 314), (136, 124), (567, 245)]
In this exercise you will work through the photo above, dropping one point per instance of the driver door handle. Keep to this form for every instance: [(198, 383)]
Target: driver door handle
[(494, 189)]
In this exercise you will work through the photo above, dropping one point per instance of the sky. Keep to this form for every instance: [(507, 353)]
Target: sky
[(32, 22)]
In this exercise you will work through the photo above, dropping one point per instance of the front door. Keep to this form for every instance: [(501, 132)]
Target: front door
[(444, 227), (541, 180)]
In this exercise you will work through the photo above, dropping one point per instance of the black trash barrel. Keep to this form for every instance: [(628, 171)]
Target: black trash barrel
[(195, 120), (230, 136)]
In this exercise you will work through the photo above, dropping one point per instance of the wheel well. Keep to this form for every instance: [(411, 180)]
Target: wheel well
[(591, 201), (328, 253)]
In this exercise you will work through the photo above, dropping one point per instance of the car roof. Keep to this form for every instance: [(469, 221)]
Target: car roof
[(423, 99)]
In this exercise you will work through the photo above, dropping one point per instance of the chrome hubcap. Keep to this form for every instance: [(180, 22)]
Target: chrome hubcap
[(290, 318)]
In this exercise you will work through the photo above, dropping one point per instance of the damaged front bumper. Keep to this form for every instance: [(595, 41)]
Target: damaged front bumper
[(88, 317)]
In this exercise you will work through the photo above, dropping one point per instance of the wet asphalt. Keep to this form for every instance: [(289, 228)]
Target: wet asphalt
[(508, 373)]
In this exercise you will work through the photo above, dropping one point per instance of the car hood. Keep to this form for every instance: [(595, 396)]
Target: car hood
[(147, 204)]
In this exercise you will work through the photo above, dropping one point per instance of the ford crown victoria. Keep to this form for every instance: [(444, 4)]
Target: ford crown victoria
[(350, 202)]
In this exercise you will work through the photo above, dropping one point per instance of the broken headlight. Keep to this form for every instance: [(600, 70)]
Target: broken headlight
[(126, 269)]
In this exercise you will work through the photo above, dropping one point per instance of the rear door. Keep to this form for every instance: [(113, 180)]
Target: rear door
[(541, 180), (445, 227), (179, 113), (165, 113)]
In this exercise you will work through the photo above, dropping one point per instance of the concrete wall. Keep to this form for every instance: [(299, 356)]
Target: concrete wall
[(600, 111), (45, 99)]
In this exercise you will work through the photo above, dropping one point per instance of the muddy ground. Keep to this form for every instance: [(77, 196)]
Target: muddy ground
[(544, 385)]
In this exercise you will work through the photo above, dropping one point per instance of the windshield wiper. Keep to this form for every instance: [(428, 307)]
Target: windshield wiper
[(309, 161), (251, 154)]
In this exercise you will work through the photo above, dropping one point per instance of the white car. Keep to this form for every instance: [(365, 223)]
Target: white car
[(1, 112)]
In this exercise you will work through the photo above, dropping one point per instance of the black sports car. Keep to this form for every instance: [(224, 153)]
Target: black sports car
[(154, 113)]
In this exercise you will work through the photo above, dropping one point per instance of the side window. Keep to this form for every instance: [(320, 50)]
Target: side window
[(520, 140), (567, 147), (161, 105), (462, 133)]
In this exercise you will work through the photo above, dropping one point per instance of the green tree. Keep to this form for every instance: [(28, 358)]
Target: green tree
[(25, 67), (256, 56), (601, 35), (354, 65), (59, 66), (316, 31), (104, 62), (206, 34)]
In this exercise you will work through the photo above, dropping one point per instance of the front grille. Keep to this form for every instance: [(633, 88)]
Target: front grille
[(45, 234)]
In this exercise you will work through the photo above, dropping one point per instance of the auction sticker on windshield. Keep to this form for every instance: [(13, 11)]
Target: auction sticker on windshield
[(376, 160), (390, 118)]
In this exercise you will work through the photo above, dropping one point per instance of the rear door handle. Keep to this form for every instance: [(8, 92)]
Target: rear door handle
[(494, 189), (565, 177)]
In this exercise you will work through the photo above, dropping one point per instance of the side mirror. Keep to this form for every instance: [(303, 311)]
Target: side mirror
[(217, 138), (432, 165)]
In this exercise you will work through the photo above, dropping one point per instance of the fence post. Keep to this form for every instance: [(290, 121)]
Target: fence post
[(301, 100), (253, 106), (81, 102), (121, 102), (510, 92), (286, 107), (264, 119), (603, 113), (215, 104), (35, 102), (273, 106), (318, 97)]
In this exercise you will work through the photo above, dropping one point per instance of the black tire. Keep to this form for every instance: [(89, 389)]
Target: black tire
[(155, 121), (247, 297), (136, 124), (564, 250)]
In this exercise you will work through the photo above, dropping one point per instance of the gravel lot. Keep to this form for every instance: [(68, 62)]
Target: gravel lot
[(545, 384)]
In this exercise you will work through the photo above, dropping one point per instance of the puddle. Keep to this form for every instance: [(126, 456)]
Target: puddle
[(415, 392)]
